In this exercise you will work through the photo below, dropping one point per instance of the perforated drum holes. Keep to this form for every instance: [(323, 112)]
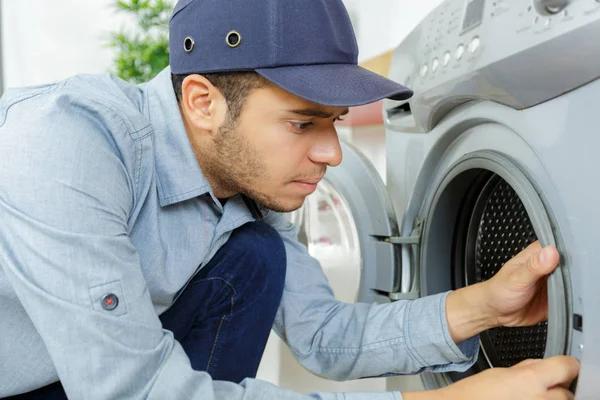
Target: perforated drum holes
[(501, 228)]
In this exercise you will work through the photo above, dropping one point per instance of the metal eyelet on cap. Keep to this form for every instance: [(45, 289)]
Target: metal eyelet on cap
[(188, 44), (233, 39)]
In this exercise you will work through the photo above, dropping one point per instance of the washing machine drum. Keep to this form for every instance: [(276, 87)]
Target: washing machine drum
[(496, 228), (475, 223)]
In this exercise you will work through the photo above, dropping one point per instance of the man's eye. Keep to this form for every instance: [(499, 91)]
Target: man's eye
[(301, 126)]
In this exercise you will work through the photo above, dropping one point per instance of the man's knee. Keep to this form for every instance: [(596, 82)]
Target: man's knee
[(262, 248)]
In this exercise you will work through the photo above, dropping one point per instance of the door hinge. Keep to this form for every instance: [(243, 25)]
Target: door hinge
[(414, 241)]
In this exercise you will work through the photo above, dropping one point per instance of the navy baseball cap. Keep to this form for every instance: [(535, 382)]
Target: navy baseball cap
[(306, 47)]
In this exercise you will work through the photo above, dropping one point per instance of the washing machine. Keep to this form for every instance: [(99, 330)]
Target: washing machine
[(499, 147)]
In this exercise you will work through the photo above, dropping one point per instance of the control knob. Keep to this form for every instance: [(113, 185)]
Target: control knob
[(551, 6)]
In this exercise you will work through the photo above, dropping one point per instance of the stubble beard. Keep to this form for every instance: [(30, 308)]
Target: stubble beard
[(237, 167)]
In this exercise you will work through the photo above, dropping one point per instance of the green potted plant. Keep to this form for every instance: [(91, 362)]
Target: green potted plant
[(143, 52)]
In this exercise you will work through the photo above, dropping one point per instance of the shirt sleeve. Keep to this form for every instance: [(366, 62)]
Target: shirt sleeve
[(348, 341), (65, 200)]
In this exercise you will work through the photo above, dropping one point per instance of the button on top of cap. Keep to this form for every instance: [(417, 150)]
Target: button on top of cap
[(110, 302)]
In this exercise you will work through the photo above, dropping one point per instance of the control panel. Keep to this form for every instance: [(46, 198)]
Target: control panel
[(515, 52)]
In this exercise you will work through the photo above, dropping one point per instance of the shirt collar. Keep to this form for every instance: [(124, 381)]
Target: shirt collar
[(178, 173)]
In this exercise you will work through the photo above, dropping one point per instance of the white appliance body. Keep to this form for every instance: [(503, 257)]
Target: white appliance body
[(504, 112)]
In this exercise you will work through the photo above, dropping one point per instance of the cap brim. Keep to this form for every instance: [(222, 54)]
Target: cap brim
[(339, 85)]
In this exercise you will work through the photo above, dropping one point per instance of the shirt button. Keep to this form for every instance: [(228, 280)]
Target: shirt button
[(110, 302)]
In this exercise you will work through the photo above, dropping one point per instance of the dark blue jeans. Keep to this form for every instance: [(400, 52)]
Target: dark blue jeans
[(223, 317)]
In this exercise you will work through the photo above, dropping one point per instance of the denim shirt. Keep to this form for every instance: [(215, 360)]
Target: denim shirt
[(100, 193)]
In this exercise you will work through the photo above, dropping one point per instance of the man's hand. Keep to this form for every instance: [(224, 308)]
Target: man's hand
[(516, 296), (529, 380)]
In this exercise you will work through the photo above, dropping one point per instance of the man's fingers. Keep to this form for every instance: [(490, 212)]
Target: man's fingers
[(557, 371), (559, 393)]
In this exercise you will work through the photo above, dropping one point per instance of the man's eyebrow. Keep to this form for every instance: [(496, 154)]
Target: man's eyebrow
[(314, 112)]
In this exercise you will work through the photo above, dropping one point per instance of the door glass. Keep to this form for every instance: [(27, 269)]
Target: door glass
[(327, 228)]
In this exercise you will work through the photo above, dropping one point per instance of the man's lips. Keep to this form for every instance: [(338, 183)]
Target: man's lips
[(308, 184), (313, 181)]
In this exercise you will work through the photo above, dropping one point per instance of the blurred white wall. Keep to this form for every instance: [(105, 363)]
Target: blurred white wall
[(46, 40), (380, 25)]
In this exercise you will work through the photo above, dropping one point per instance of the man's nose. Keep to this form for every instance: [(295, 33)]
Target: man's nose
[(326, 149)]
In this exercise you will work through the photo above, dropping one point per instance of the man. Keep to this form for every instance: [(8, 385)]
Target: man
[(143, 252)]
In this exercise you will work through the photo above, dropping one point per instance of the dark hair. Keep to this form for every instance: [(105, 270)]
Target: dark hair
[(235, 87)]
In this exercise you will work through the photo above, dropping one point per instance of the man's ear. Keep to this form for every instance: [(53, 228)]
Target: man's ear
[(202, 103)]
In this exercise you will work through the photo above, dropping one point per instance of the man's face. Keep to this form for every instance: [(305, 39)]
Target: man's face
[(278, 149)]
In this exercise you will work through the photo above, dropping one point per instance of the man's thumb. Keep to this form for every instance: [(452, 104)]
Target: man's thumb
[(533, 263), (541, 263)]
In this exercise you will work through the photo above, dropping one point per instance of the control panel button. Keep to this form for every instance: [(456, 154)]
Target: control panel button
[(474, 45), (460, 50), (551, 6), (424, 70), (435, 64), (447, 57)]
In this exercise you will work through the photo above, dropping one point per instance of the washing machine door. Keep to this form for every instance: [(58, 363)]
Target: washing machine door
[(347, 224), (486, 200)]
